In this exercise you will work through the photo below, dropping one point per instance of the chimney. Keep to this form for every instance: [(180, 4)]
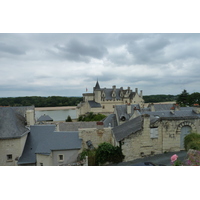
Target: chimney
[(100, 125), (114, 87), (152, 107), (30, 117), (177, 107), (140, 93), (129, 108), (146, 124)]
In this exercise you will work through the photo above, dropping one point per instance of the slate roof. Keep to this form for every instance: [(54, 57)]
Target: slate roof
[(74, 126), (182, 114), (22, 109), (97, 86), (108, 93), (159, 107), (110, 120), (94, 104), (12, 124), (42, 140), (122, 110), (44, 118), (128, 128)]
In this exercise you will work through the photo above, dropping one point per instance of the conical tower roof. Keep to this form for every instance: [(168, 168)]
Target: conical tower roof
[(97, 86)]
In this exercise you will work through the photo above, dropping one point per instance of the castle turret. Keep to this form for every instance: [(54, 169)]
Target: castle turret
[(97, 93)]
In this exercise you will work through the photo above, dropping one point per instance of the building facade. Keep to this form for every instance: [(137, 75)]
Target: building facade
[(104, 100)]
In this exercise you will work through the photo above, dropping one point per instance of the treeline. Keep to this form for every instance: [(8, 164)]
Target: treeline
[(160, 98), (37, 101), (185, 99)]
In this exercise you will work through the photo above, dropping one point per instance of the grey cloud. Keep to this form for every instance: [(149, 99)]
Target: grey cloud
[(11, 49), (78, 51)]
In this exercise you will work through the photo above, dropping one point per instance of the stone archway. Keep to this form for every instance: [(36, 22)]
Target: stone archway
[(186, 123), (184, 129)]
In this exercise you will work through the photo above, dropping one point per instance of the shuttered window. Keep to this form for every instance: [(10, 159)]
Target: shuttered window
[(154, 133)]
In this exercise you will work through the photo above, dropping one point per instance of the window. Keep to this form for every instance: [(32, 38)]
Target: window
[(41, 164), (60, 158), (9, 157), (154, 133)]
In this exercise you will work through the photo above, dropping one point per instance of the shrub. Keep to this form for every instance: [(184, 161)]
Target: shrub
[(194, 145), (91, 156), (91, 117), (191, 140), (108, 153), (69, 119)]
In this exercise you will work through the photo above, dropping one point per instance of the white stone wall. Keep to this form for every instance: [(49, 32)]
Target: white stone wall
[(70, 156), (96, 136), (171, 130), (13, 147), (44, 160), (141, 144)]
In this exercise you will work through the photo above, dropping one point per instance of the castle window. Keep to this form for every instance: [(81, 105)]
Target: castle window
[(103, 107), (9, 157), (61, 158)]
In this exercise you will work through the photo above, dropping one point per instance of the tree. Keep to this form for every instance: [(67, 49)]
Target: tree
[(183, 99), (194, 99), (69, 119), (106, 152)]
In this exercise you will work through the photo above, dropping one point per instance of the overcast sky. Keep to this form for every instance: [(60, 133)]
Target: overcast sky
[(66, 64)]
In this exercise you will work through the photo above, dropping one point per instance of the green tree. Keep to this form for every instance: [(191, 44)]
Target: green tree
[(183, 99), (108, 153), (69, 119), (194, 99)]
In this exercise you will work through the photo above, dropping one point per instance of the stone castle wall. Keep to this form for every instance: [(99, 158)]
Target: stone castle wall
[(96, 136)]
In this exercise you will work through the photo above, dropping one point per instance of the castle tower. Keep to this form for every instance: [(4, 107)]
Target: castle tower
[(97, 93)]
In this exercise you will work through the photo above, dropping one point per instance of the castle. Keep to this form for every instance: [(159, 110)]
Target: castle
[(104, 100)]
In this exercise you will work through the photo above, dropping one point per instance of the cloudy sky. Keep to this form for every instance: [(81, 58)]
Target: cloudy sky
[(66, 64)]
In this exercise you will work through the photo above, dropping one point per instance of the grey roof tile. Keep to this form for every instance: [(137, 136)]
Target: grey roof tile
[(110, 121), (42, 140), (44, 118), (159, 107), (182, 114), (94, 104), (122, 111), (12, 124), (97, 86), (128, 128)]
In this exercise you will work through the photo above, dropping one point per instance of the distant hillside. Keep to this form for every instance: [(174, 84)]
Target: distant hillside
[(37, 101), (54, 101), (160, 98)]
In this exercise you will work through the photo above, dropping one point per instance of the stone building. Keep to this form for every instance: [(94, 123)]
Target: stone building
[(104, 100), (14, 129), (143, 133), (46, 147)]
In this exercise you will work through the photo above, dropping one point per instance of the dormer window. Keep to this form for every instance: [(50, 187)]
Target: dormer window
[(103, 94), (113, 94)]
